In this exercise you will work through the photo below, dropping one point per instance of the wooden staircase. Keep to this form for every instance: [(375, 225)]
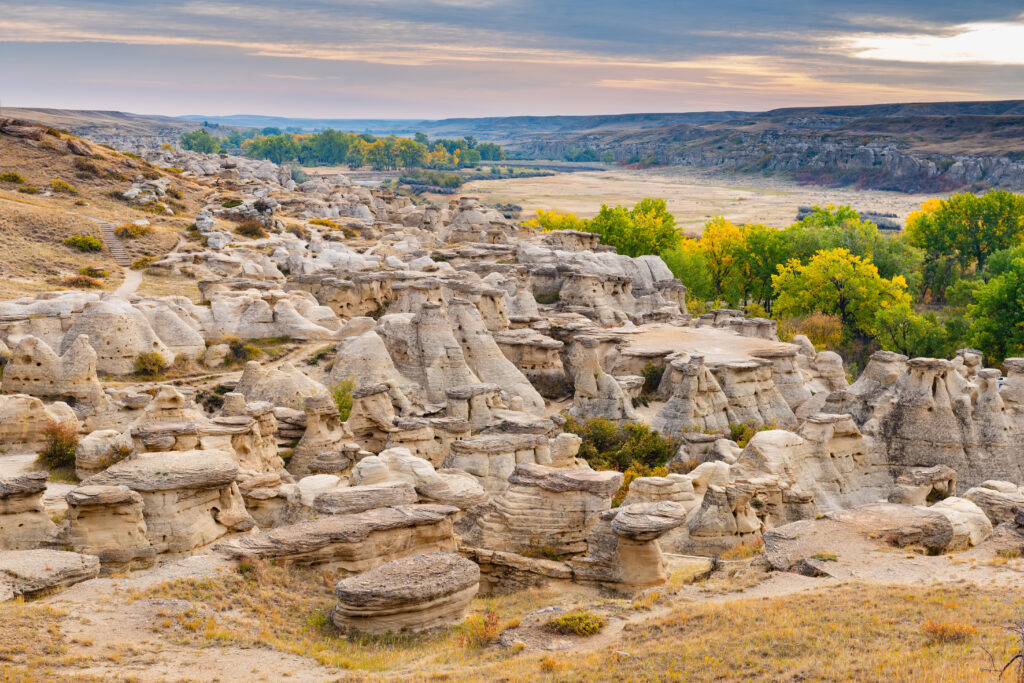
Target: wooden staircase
[(117, 250)]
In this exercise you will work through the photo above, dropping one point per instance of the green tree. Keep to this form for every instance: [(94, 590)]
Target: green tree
[(997, 325), (647, 228), (902, 330), (200, 140), (836, 282), (969, 227)]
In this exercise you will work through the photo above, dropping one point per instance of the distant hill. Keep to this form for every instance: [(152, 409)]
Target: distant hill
[(916, 146)]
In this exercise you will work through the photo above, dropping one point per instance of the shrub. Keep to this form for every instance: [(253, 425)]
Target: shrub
[(342, 393), (86, 168), (744, 551), (231, 203), (63, 187), (607, 445), (131, 231), (547, 298), (327, 223), (115, 455), (241, 352), (578, 622), (635, 471), (61, 445), (82, 282), (12, 177), (89, 271), (480, 630), (252, 229), (652, 377), (29, 189), (742, 433), (947, 631), (150, 364), (84, 243), (824, 331)]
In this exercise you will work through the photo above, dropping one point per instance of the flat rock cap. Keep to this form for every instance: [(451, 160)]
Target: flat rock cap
[(410, 580)]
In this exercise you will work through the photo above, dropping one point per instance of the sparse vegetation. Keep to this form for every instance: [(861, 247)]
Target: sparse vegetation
[(743, 551), (342, 394), (12, 177), (578, 623), (90, 271), (84, 243), (63, 187), (241, 351), (81, 282), (29, 189), (608, 445), (131, 231), (61, 445), (480, 630), (142, 263), (251, 228), (947, 631), (150, 365)]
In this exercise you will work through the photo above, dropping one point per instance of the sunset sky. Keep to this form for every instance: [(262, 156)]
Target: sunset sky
[(453, 58)]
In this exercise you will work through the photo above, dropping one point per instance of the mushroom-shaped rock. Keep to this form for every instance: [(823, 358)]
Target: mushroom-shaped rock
[(411, 594), (622, 550), (107, 521), (24, 523), (190, 497)]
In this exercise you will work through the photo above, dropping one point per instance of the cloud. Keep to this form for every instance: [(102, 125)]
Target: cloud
[(978, 43)]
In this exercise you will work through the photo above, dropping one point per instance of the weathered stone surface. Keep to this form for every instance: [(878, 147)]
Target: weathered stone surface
[(27, 573), (24, 524), (412, 594), (997, 499), (355, 542), (23, 420), (352, 499), (190, 497), (108, 521), (324, 432), (970, 525)]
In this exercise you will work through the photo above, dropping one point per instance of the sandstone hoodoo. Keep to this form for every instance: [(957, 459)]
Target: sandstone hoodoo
[(527, 437)]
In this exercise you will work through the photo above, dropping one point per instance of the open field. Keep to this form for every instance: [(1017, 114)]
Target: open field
[(693, 196)]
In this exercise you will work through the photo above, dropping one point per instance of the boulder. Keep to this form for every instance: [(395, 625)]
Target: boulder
[(411, 594), (29, 573)]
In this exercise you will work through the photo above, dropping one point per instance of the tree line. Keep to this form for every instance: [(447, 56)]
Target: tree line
[(333, 148), (953, 278)]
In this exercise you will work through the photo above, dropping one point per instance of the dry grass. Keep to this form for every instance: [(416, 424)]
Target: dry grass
[(288, 609), (32, 646), (170, 285), (857, 633)]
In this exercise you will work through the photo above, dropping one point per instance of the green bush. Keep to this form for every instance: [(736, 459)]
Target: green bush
[(742, 433), (130, 231), (241, 352), (29, 189), (89, 271), (84, 243), (63, 187), (652, 377), (12, 177), (578, 622), (253, 229), (607, 445), (232, 203), (342, 394), (142, 263), (61, 445), (150, 364)]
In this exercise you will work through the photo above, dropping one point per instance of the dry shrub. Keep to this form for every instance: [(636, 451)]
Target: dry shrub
[(130, 231), (61, 445), (480, 630), (150, 365), (824, 331), (63, 187), (241, 352), (12, 177), (81, 282), (947, 631), (744, 551), (253, 229), (342, 394)]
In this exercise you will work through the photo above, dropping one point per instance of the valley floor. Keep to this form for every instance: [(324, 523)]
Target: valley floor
[(692, 195)]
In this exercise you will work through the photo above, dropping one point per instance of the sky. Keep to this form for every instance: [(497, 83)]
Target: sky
[(456, 58)]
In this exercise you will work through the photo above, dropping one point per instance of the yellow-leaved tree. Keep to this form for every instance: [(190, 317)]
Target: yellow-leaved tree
[(835, 282)]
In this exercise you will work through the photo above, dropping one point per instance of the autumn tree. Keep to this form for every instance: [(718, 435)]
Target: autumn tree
[(835, 282), (647, 228), (968, 227)]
